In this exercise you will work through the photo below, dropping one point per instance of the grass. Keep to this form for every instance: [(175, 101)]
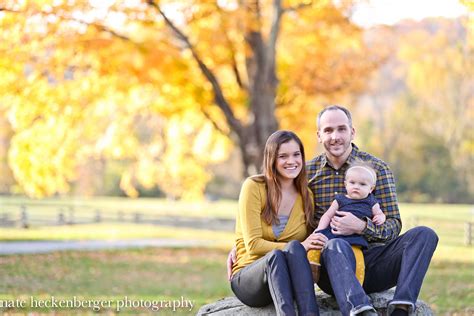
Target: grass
[(169, 274), (148, 274), (449, 287), (449, 223), (199, 274)]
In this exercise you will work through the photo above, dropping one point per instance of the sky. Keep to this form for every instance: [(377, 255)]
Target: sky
[(371, 12)]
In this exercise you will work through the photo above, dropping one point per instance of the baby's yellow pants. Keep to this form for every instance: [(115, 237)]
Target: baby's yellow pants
[(315, 256)]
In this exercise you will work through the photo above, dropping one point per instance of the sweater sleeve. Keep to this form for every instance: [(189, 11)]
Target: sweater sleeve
[(251, 203)]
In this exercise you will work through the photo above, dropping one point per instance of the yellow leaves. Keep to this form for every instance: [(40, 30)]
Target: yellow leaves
[(191, 145), (111, 75), (43, 162), (177, 162), (428, 74), (321, 52), (126, 184), (209, 148)]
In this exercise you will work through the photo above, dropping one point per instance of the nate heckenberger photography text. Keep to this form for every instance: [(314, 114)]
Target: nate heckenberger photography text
[(96, 305)]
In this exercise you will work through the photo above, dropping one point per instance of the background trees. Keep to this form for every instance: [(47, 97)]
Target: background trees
[(422, 100), (167, 86), (151, 94)]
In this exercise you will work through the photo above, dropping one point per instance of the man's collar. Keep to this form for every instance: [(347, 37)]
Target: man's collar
[(352, 156)]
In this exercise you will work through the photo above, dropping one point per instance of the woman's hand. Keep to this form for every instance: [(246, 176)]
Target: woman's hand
[(315, 241), (231, 259)]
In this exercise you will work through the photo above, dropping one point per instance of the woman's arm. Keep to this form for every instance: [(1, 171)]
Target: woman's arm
[(251, 203)]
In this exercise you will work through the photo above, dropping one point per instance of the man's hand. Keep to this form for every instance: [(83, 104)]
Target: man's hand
[(315, 241), (231, 259), (346, 223)]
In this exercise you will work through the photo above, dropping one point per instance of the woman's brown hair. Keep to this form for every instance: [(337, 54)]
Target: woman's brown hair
[(270, 177)]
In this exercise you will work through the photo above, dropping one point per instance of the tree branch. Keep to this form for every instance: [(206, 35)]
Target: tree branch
[(69, 18), (235, 68), (272, 40), (298, 7), (219, 98), (214, 123), (108, 30), (9, 10)]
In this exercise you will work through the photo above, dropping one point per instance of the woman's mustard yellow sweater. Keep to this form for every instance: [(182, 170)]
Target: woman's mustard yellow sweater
[(254, 237)]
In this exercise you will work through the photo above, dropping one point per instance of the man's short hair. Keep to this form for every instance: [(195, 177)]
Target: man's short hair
[(334, 108)]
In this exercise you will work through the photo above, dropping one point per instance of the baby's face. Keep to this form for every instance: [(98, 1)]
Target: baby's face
[(359, 183)]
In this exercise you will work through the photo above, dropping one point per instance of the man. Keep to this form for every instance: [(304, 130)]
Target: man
[(390, 260)]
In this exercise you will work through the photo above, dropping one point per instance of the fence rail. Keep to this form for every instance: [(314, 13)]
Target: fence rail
[(453, 229), (70, 216)]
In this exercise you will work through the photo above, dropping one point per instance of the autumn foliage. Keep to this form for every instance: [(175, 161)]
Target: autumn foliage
[(166, 87)]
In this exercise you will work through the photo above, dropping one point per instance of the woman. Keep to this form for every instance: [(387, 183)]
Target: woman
[(273, 222)]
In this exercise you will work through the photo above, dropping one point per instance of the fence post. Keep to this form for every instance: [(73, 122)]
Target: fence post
[(98, 217), (71, 215), (4, 219), (61, 219), (468, 234), (23, 217), (137, 217)]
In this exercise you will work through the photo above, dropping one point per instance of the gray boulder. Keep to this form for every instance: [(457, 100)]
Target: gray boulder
[(327, 306)]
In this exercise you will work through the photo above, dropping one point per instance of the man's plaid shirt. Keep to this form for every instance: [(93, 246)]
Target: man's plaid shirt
[(326, 182)]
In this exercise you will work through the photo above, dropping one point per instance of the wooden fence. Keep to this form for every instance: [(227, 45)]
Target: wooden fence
[(22, 216), (453, 229), (34, 215)]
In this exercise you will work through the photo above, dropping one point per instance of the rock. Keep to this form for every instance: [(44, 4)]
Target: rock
[(327, 306)]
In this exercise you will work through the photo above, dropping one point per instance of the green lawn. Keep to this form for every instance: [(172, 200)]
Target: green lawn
[(200, 274), (449, 287), (197, 275), (449, 223)]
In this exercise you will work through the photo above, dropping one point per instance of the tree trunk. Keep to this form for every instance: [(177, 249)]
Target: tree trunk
[(262, 83)]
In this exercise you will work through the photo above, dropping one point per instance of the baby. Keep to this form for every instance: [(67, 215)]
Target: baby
[(359, 181)]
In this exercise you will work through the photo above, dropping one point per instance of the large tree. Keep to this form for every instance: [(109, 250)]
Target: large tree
[(86, 79)]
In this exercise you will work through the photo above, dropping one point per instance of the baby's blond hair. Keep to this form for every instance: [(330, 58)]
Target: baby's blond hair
[(364, 165)]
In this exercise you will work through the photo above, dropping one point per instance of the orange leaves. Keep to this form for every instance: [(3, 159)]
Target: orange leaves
[(109, 80), (332, 46)]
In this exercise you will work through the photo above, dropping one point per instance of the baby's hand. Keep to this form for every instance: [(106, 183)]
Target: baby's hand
[(379, 219)]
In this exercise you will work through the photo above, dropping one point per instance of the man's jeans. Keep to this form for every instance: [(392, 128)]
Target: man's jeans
[(281, 276), (402, 262)]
